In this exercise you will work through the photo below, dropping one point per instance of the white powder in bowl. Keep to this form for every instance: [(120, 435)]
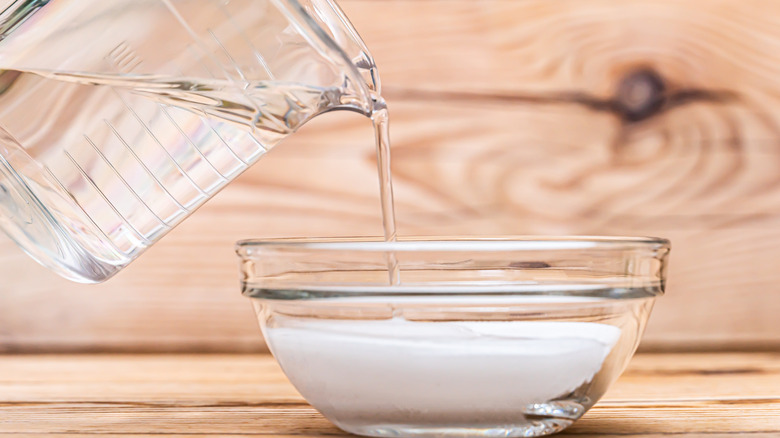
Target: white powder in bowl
[(441, 370)]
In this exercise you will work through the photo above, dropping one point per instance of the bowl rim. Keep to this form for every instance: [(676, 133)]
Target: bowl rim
[(454, 244)]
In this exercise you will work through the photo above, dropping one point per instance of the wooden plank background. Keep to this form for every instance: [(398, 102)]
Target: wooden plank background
[(639, 117)]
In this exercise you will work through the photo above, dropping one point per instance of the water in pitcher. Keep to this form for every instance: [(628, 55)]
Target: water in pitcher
[(161, 148), (128, 192), (118, 119)]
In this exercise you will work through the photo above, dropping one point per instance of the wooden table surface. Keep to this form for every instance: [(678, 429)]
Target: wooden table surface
[(134, 395)]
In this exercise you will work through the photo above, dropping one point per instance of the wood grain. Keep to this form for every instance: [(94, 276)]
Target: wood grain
[(640, 117), (660, 394)]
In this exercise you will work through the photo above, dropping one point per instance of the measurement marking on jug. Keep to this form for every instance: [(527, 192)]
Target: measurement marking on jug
[(198, 40), (229, 57), (124, 58), (192, 143), (255, 104), (206, 121), (241, 32), (135, 194), (92, 183), (261, 149), (86, 215), (143, 165), (222, 176), (157, 141)]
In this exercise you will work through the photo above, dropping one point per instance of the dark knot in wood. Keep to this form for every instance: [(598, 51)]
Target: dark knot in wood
[(640, 95), (530, 265)]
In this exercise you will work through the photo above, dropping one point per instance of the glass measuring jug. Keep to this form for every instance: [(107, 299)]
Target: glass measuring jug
[(119, 118)]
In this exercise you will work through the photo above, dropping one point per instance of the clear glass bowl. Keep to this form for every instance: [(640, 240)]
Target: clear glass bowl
[(485, 337)]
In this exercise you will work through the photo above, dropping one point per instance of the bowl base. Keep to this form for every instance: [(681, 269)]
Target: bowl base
[(529, 428)]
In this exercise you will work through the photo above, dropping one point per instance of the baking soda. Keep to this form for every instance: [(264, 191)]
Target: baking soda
[(442, 371)]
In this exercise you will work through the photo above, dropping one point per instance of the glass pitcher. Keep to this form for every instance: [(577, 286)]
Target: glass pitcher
[(119, 118)]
